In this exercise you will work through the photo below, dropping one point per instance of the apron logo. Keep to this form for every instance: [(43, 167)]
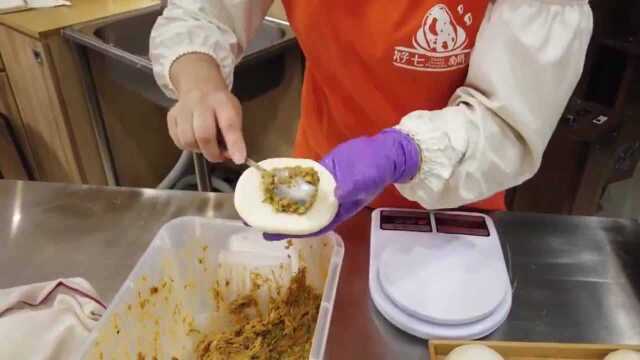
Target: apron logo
[(439, 45)]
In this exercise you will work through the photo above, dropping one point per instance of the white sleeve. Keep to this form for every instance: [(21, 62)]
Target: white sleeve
[(528, 58), (219, 28)]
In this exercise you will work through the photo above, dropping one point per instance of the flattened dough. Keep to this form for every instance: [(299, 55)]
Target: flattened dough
[(473, 352), (623, 355), (249, 203)]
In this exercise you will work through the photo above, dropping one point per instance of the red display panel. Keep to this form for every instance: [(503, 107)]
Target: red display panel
[(399, 220), (461, 224)]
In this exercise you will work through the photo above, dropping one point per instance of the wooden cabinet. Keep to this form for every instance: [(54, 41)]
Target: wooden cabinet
[(76, 110), (50, 115), (9, 113), (15, 154), (11, 163), (29, 69), (53, 125)]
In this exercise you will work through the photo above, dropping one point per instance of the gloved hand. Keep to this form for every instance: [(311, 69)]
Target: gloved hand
[(362, 168)]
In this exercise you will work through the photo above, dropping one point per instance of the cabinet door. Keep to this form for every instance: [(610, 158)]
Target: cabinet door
[(9, 109), (11, 166), (69, 80), (28, 67)]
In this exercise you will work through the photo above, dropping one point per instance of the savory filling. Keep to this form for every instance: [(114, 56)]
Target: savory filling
[(288, 190), (284, 332)]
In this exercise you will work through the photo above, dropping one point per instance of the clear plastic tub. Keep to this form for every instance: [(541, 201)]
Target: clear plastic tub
[(172, 295)]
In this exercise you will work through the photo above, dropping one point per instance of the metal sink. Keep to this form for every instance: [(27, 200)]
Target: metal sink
[(124, 39), (121, 43), (132, 33)]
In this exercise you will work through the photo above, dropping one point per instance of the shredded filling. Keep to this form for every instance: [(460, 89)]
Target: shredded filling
[(284, 332), (271, 183)]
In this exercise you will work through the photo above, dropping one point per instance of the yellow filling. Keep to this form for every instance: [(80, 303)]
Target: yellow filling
[(280, 204), (284, 332)]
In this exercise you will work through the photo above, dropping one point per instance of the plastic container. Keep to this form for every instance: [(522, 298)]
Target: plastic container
[(172, 295)]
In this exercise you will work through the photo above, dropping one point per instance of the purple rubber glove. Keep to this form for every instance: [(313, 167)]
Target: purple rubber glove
[(362, 168)]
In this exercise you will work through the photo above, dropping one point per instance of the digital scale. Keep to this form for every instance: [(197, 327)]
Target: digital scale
[(438, 274)]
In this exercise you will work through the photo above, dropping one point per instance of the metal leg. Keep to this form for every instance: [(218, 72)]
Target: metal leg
[(202, 172)]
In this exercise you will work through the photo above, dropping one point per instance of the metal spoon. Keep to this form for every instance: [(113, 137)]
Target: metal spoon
[(256, 166), (300, 191)]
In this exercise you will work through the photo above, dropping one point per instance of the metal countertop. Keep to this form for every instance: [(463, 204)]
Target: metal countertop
[(577, 279)]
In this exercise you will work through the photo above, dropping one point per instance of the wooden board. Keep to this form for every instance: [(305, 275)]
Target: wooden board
[(439, 349), (29, 70)]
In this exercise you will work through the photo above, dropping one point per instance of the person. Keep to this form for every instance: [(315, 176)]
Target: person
[(409, 103)]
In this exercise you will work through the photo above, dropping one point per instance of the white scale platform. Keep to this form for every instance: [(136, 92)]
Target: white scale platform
[(438, 274)]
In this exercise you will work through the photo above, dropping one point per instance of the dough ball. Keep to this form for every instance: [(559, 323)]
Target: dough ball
[(248, 200), (473, 352), (623, 355)]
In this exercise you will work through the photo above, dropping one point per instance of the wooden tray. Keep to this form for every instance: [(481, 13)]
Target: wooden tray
[(439, 349)]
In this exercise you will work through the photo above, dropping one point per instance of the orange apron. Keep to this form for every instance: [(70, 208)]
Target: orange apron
[(371, 62)]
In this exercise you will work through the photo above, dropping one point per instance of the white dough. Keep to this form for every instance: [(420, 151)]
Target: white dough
[(248, 199), (473, 352), (623, 355)]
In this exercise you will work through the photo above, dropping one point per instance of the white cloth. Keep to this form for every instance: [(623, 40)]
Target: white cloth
[(528, 57), (219, 28), (47, 3), (47, 321), (7, 6)]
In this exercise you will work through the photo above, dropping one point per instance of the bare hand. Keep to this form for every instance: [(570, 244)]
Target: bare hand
[(205, 107)]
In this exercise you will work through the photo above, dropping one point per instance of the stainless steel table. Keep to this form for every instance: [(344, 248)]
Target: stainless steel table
[(577, 279)]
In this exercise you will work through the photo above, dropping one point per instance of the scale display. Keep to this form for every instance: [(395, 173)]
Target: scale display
[(461, 224), (446, 223), (398, 220)]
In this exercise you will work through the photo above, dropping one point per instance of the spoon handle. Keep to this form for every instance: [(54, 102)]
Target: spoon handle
[(255, 165)]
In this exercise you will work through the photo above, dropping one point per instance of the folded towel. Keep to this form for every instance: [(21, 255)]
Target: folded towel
[(7, 6), (49, 320), (47, 3)]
